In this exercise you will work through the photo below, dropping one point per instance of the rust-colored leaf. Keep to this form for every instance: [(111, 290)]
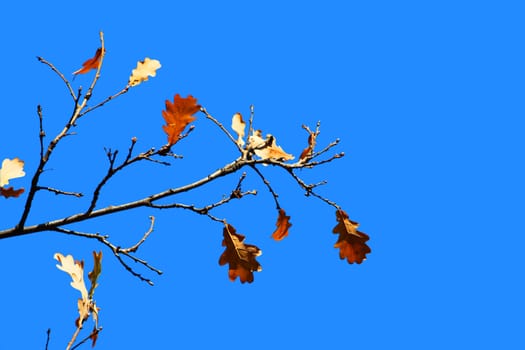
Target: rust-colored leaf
[(178, 115), (94, 336), (90, 64), (283, 224), (239, 256), (307, 153), (351, 242), (95, 273), (10, 192)]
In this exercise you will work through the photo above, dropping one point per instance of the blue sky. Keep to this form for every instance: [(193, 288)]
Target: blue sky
[(427, 99)]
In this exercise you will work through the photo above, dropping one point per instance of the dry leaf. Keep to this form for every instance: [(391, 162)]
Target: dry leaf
[(239, 256), (11, 169), (283, 224), (75, 269), (90, 64), (178, 115), (95, 273), (11, 192), (267, 149), (145, 68), (307, 153), (351, 242), (238, 125)]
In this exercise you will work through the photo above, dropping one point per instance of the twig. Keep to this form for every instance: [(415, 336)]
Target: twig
[(74, 337), (41, 134), (309, 189), (109, 98), (96, 330), (267, 183), (136, 246), (332, 144), (68, 85), (118, 250), (205, 210), (250, 122), (48, 333), (97, 74), (57, 192), (230, 136)]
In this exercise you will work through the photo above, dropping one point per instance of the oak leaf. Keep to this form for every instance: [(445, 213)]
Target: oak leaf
[(239, 256), (145, 69), (178, 115), (283, 224), (90, 64), (239, 126), (11, 169), (95, 273), (351, 242), (267, 148), (11, 192), (307, 153), (75, 269)]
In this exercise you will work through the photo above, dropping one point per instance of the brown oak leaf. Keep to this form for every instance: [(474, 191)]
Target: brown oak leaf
[(178, 115), (267, 149), (307, 153), (239, 256), (351, 242), (11, 192), (283, 224), (90, 64)]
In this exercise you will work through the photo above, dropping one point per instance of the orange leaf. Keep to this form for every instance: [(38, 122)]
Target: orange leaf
[(10, 192), (351, 242), (307, 153), (178, 115), (90, 64), (239, 256), (283, 224)]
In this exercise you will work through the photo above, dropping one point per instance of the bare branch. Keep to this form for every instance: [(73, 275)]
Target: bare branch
[(267, 183), (68, 85), (117, 251), (136, 246), (95, 331), (41, 134), (230, 136), (109, 98), (57, 192)]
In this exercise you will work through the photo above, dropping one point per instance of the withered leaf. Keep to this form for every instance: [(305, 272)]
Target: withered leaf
[(145, 69), (307, 153), (351, 242), (75, 269), (239, 256), (283, 224), (239, 125), (95, 273), (10, 192), (11, 169), (90, 64), (178, 115), (267, 149)]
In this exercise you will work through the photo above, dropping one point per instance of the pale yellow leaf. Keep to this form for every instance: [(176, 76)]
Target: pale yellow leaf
[(238, 125), (11, 169), (145, 69), (75, 269), (267, 149)]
